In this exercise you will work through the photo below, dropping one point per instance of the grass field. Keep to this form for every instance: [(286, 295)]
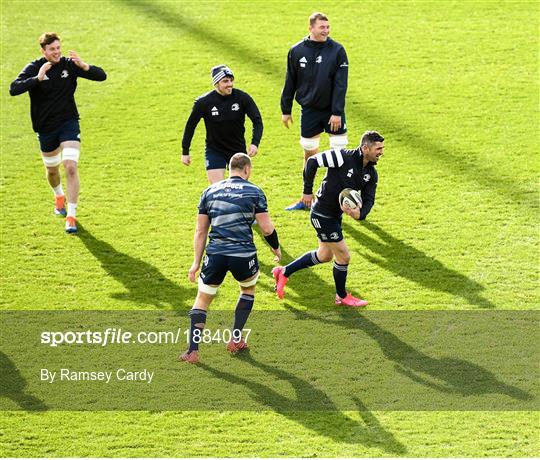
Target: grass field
[(453, 87)]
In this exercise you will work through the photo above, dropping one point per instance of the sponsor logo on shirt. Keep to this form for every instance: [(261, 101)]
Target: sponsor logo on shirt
[(215, 111), (344, 65), (64, 74), (318, 60), (350, 172), (303, 61), (235, 107)]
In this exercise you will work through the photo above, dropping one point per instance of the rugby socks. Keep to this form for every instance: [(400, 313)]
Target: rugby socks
[(197, 317), (58, 190), (72, 209), (307, 260), (340, 278), (241, 314)]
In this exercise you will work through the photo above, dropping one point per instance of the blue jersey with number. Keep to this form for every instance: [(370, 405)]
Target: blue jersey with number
[(231, 205)]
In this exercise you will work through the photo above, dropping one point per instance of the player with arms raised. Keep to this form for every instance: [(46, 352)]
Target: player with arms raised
[(228, 209), (51, 82), (345, 169)]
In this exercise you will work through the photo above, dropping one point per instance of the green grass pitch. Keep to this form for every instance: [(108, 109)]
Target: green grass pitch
[(453, 86)]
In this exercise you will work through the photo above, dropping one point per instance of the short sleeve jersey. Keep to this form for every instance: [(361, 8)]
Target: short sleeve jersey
[(231, 206)]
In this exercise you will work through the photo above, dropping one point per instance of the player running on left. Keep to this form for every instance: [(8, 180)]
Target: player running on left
[(51, 82), (227, 210)]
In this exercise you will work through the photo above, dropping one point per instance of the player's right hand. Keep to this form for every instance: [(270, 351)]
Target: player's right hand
[(43, 70), (186, 159), (192, 273), (286, 119), (307, 200), (354, 213), (277, 253)]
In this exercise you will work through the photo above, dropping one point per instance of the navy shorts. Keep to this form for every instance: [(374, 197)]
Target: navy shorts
[(328, 228), (69, 131), (216, 266), (216, 160), (313, 122)]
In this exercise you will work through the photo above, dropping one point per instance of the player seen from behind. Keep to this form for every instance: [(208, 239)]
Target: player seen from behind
[(227, 210)]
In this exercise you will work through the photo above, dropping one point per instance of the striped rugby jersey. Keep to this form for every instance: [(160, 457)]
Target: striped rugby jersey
[(344, 169), (231, 205)]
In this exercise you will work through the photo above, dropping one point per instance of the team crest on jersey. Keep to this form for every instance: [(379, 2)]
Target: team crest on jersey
[(318, 60), (215, 111), (334, 236), (303, 61), (350, 172), (64, 74), (235, 107), (367, 177)]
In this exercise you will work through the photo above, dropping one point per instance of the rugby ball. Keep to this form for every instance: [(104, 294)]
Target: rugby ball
[(350, 198)]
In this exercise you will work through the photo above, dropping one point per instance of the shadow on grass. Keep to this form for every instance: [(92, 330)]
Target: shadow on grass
[(14, 385), (449, 375), (408, 262), (476, 172), (145, 284), (329, 422)]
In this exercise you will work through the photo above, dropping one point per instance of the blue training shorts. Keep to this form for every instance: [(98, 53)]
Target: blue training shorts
[(328, 228), (313, 122), (69, 131), (216, 160), (216, 266)]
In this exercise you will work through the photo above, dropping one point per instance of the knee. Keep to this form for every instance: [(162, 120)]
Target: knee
[(52, 170), (70, 168), (309, 153), (310, 145), (343, 257), (324, 256)]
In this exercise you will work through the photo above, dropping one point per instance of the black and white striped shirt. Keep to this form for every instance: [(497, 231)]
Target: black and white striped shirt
[(344, 170)]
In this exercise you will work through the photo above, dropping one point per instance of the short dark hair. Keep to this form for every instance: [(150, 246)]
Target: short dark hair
[(317, 16), (370, 137), (47, 38), (239, 161)]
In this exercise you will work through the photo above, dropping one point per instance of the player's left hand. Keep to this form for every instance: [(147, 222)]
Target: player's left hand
[(335, 123), (354, 213), (78, 61), (252, 150), (192, 273), (277, 253)]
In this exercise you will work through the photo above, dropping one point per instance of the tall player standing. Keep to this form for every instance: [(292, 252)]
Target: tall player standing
[(51, 82), (317, 73)]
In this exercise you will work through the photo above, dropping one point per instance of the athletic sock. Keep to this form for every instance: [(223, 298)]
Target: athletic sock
[(241, 314), (72, 209), (307, 260), (58, 190), (197, 316), (340, 278)]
